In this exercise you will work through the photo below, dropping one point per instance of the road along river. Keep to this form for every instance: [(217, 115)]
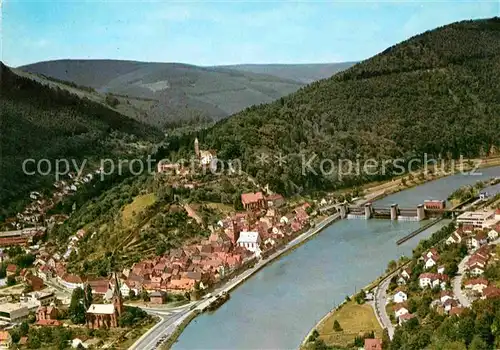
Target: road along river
[(276, 307)]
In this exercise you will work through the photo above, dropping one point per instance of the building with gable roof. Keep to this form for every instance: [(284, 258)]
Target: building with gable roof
[(106, 315)]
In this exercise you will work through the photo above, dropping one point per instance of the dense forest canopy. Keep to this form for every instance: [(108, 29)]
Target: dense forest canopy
[(436, 93), (41, 122)]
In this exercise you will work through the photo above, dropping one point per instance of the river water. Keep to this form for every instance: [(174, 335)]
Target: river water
[(276, 307)]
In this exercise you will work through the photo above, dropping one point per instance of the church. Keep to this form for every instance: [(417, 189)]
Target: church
[(206, 158), (106, 315)]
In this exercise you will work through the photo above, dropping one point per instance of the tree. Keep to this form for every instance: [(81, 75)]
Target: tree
[(478, 344), (24, 328), (11, 280), (360, 297), (336, 326), (112, 100), (131, 294), (386, 340), (76, 309), (88, 298), (391, 265), (145, 295)]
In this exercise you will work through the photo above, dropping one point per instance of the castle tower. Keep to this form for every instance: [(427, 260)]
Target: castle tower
[(117, 297), (197, 147)]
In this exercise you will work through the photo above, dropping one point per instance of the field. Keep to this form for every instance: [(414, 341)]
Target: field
[(354, 319), (139, 204)]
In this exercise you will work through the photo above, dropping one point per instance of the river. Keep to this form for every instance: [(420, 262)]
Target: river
[(276, 307)]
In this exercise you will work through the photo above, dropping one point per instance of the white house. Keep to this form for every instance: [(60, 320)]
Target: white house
[(477, 284), (406, 273), (70, 281), (250, 240), (449, 304), (430, 261), (479, 240), (445, 295), (400, 310), (401, 281), (455, 238), (285, 220), (440, 269), (125, 290), (476, 270), (400, 297), (425, 280), (492, 235), (432, 280)]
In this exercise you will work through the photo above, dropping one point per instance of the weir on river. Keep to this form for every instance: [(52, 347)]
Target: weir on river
[(276, 307)]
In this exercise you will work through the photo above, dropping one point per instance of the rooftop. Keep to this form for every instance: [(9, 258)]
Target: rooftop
[(10, 307), (101, 309), (248, 236), (475, 215)]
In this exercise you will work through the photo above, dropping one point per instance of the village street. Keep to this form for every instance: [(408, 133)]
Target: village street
[(457, 284), (379, 303), (458, 280)]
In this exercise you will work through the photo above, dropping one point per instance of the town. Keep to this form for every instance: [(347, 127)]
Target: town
[(44, 290)]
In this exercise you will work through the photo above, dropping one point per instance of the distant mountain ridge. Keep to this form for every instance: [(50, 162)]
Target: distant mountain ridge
[(304, 73), (436, 93), (181, 91), (42, 119)]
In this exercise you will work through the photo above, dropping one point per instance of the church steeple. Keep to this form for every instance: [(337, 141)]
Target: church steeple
[(196, 147), (117, 296)]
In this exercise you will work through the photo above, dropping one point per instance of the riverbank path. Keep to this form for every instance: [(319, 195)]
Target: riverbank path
[(380, 301)]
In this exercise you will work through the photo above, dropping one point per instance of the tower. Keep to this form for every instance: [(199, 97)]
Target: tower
[(196, 147), (117, 297)]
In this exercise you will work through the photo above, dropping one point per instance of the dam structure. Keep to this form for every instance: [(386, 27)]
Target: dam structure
[(429, 209)]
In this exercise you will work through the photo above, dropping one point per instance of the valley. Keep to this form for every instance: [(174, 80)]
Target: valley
[(202, 200)]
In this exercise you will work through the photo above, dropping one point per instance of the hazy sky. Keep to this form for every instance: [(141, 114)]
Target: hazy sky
[(212, 33)]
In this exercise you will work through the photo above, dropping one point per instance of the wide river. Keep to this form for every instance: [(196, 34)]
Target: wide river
[(276, 307)]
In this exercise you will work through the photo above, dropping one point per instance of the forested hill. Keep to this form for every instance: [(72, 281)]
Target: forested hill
[(436, 93), (38, 121)]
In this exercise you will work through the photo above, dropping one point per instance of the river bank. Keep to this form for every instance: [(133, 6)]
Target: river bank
[(300, 288)]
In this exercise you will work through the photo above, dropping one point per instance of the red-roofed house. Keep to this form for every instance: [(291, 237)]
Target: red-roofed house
[(491, 292), (99, 286), (405, 317), (445, 295), (373, 344), (49, 323), (5, 340), (477, 284), (11, 269), (400, 309), (432, 280), (301, 215), (430, 261), (275, 200), (457, 311), (253, 201)]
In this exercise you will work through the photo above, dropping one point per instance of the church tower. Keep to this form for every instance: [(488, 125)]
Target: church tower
[(196, 147), (117, 297)]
